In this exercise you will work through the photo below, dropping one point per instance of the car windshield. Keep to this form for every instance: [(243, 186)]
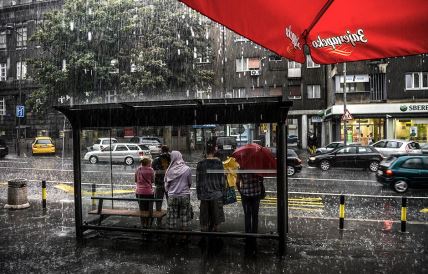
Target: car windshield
[(43, 142), (332, 145), (291, 153)]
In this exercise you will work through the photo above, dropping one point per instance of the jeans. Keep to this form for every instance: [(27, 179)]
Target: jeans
[(251, 212)]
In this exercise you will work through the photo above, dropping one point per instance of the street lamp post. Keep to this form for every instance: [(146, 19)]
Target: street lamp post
[(18, 129)]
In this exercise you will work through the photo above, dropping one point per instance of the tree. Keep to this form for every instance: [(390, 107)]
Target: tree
[(132, 47)]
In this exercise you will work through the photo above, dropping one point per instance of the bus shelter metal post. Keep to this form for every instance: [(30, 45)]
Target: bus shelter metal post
[(281, 186), (77, 182)]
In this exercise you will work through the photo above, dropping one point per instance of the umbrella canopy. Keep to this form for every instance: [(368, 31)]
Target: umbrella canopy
[(255, 159), (334, 30)]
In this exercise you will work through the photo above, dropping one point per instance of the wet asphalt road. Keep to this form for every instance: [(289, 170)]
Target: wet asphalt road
[(313, 193), (36, 240)]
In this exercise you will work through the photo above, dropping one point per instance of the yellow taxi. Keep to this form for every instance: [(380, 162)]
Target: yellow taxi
[(43, 145)]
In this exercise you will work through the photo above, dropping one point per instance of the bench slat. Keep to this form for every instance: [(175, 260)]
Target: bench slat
[(132, 213)]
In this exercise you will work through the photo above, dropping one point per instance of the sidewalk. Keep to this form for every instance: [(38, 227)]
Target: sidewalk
[(34, 240)]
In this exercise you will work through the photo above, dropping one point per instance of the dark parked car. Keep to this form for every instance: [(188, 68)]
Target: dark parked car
[(4, 150), (403, 172), (294, 164), (292, 139), (226, 145), (348, 156)]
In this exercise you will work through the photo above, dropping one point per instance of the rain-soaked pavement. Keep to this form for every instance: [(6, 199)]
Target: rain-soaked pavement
[(34, 240)]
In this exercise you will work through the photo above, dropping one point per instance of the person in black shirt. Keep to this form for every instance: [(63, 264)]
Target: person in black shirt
[(160, 165), (210, 185)]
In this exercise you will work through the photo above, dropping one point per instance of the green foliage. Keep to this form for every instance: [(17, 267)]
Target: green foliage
[(90, 46)]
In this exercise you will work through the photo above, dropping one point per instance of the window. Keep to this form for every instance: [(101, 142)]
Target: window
[(246, 64), (133, 147), (3, 72), (144, 147), (294, 65), (294, 69), (21, 37), (393, 144), (310, 63), (364, 150), (2, 106), (121, 148), (414, 146), (354, 83), (347, 150), (107, 148), (274, 58), (414, 163), (2, 40), (417, 80), (314, 91), (295, 92), (20, 66), (380, 144), (43, 142)]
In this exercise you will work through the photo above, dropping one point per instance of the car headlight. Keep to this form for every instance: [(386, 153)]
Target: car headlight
[(312, 158)]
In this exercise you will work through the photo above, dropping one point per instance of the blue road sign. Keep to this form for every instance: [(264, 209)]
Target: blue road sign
[(20, 111)]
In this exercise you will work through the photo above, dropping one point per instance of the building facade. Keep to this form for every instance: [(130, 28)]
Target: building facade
[(244, 69), (18, 21), (387, 100)]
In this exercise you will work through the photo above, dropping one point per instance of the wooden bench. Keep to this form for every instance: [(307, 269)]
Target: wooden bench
[(104, 212)]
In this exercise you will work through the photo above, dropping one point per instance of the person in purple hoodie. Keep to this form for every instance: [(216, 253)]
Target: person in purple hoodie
[(178, 179)]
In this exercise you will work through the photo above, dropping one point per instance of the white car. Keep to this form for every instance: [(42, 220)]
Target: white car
[(393, 147), (152, 142), (118, 153), (101, 143)]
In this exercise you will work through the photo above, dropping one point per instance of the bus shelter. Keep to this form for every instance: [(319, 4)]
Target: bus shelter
[(181, 113)]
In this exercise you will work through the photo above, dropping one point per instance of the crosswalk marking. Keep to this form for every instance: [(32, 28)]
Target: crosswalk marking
[(299, 203), (315, 204)]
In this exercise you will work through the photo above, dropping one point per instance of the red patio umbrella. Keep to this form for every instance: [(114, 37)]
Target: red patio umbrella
[(334, 30), (255, 159)]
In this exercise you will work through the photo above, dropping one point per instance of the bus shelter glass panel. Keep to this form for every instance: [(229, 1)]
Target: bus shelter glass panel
[(109, 161)]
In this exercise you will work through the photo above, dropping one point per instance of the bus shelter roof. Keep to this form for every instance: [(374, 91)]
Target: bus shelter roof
[(177, 112)]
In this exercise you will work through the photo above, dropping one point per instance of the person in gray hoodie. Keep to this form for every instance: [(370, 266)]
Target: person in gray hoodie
[(210, 184), (178, 179)]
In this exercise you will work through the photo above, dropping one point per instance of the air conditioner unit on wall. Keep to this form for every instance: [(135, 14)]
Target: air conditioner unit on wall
[(255, 72)]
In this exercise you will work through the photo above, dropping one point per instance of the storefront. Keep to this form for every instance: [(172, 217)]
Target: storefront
[(372, 122), (411, 129)]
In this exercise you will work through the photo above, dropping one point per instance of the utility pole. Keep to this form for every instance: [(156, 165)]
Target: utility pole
[(345, 128)]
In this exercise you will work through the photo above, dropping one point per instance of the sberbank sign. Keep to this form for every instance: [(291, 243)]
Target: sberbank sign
[(414, 108)]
